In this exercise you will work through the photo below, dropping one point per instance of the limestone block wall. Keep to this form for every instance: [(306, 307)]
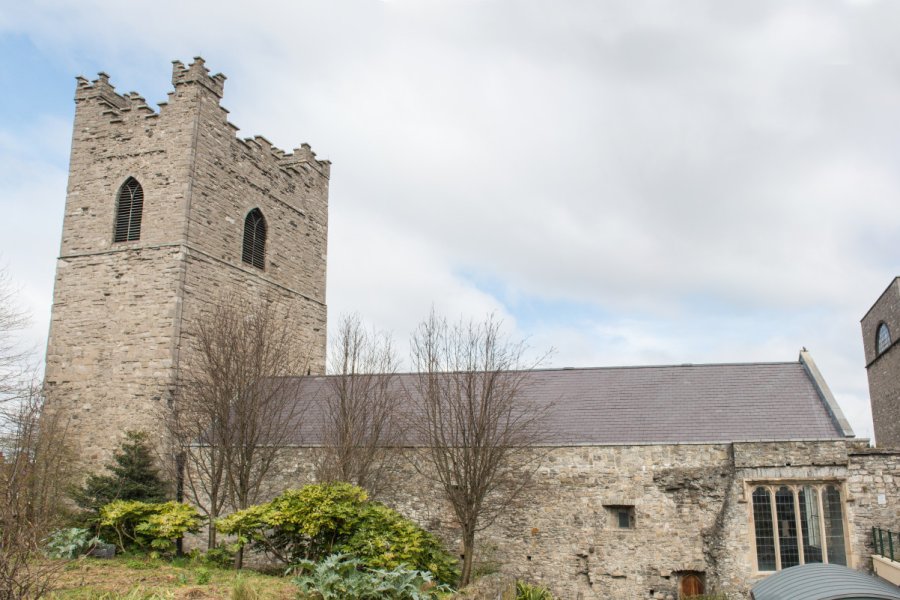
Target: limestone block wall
[(874, 485), (207, 281), (692, 511), (119, 307), (109, 355)]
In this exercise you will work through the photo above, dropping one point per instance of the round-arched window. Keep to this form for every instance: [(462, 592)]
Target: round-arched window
[(882, 338)]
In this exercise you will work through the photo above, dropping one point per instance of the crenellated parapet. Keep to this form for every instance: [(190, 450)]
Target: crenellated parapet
[(105, 106), (196, 72)]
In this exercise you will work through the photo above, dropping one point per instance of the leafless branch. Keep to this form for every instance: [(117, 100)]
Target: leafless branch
[(480, 433), (35, 471), (360, 431), (238, 400)]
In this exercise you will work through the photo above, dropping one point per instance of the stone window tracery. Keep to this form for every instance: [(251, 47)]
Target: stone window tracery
[(882, 338), (129, 211), (800, 523), (254, 251)]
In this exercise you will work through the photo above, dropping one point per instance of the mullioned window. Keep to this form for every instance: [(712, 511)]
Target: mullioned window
[(799, 523)]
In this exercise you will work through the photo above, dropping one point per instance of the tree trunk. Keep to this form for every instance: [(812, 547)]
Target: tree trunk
[(465, 577), (239, 559), (211, 537)]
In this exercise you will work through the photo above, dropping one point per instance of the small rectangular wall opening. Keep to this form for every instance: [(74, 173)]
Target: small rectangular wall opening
[(620, 516)]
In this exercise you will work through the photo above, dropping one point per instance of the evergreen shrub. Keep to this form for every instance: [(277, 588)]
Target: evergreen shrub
[(132, 476)]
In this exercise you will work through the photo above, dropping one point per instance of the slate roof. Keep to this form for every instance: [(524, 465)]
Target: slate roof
[(823, 582), (655, 404)]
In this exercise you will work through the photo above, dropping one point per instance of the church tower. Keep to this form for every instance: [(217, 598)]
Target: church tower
[(880, 328), (165, 212)]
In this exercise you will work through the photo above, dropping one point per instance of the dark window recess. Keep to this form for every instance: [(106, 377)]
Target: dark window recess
[(255, 239), (129, 209), (621, 517)]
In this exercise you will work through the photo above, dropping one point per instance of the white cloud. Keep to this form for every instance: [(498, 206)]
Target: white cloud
[(707, 181)]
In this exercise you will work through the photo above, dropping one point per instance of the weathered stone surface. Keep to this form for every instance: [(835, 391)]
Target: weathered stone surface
[(691, 504), (120, 310)]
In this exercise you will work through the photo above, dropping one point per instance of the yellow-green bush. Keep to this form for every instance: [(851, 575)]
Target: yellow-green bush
[(322, 519), (139, 524)]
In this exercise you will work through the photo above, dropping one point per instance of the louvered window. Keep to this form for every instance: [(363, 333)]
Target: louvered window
[(255, 239), (129, 208)]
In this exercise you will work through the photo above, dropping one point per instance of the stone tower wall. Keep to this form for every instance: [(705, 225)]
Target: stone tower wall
[(884, 370), (121, 310)]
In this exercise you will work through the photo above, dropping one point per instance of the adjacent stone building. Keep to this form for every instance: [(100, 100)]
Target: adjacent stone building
[(656, 481), (880, 327)]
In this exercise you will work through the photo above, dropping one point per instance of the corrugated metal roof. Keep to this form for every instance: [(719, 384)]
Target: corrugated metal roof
[(646, 405), (823, 582)]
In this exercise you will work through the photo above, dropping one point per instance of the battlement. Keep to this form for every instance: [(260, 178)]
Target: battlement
[(197, 72), (301, 158), (132, 109)]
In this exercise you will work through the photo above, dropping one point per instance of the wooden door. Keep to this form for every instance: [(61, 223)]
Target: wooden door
[(691, 585)]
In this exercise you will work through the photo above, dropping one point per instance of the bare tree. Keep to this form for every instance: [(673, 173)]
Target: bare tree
[(35, 466), (479, 432), (14, 363), (360, 432), (36, 470), (238, 401)]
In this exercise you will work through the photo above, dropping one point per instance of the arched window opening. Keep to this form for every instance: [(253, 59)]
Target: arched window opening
[(255, 239), (129, 209), (882, 338)]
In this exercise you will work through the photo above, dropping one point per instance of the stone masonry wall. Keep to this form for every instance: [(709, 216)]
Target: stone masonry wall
[(884, 371), (119, 309), (873, 483), (692, 512)]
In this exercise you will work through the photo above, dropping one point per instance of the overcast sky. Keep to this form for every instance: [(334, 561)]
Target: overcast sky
[(628, 183)]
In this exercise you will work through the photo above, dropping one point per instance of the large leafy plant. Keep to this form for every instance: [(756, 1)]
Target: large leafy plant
[(149, 525), (70, 542), (342, 577), (318, 520)]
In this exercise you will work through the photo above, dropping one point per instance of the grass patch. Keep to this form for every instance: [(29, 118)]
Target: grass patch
[(132, 578)]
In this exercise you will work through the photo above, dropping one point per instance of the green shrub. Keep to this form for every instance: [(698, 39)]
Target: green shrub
[(133, 476), (318, 520), (71, 542), (341, 577), (528, 591), (220, 556), (144, 525), (203, 575), (385, 539)]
